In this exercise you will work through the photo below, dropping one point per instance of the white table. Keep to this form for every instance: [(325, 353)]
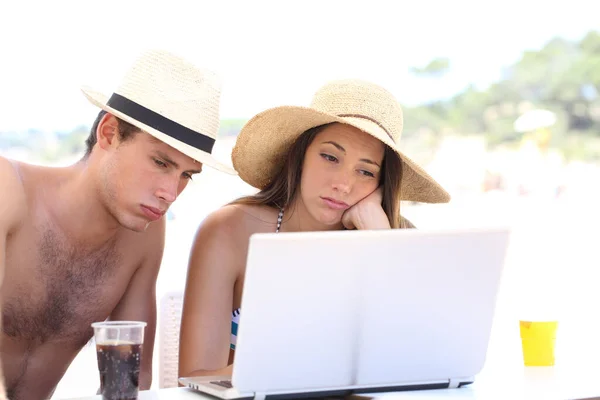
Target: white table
[(544, 383), (575, 376)]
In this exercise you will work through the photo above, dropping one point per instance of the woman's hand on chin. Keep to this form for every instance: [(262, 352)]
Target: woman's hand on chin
[(367, 213)]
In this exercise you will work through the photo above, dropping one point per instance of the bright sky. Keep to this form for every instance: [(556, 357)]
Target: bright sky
[(268, 52)]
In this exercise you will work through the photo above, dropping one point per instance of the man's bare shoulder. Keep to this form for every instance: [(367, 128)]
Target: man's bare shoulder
[(32, 178), (13, 206), (148, 245)]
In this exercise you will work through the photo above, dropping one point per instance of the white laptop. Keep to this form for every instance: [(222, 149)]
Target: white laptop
[(348, 312)]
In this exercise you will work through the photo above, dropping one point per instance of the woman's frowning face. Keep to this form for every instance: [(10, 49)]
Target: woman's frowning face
[(341, 166)]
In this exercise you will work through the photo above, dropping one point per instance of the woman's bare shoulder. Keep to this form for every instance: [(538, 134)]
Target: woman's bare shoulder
[(239, 221), (221, 241)]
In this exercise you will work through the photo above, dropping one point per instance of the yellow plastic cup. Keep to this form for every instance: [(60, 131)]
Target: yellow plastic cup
[(538, 339)]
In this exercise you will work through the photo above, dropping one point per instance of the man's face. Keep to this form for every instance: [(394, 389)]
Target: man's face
[(141, 177)]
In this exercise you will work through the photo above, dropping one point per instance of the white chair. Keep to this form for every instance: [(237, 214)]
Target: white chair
[(169, 322)]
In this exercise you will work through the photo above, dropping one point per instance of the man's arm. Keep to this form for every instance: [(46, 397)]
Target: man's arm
[(12, 208), (139, 301)]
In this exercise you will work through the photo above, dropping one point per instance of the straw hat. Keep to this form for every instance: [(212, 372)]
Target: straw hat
[(262, 144), (172, 100)]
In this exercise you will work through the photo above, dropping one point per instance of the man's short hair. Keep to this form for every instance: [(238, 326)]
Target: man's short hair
[(126, 132)]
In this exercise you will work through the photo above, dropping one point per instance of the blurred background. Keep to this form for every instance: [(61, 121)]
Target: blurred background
[(501, 103)]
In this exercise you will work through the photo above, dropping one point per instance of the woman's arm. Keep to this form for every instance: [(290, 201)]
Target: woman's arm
[(215, 261)]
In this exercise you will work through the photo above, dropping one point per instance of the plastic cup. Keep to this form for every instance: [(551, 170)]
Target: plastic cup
[(119, 352), (538, 342)]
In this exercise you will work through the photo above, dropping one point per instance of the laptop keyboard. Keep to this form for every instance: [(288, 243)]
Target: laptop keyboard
[(226, 384)]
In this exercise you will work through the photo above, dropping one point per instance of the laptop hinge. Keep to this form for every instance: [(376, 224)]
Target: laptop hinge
[(453, 383), (259, 395)]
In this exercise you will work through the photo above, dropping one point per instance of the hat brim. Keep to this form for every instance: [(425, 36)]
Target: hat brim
[(262, 144), (99, 99)]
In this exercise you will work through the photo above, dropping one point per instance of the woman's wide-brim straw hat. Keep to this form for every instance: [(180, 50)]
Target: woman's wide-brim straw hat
[(262, 145), (172, 100)]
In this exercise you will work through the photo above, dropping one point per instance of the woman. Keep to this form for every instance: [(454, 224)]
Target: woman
[(335, 165)]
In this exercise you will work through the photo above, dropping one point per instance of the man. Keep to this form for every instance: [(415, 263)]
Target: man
[(84, 243)]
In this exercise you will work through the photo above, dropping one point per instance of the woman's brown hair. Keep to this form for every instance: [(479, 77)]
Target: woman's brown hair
[(284, 187)]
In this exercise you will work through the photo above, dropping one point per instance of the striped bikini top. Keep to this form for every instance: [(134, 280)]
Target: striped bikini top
[(235, 315)]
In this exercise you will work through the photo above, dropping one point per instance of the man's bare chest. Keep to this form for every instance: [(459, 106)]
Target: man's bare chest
[(55, 289)]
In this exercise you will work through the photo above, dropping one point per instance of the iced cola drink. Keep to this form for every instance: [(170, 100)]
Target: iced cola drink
[(119, 351)]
